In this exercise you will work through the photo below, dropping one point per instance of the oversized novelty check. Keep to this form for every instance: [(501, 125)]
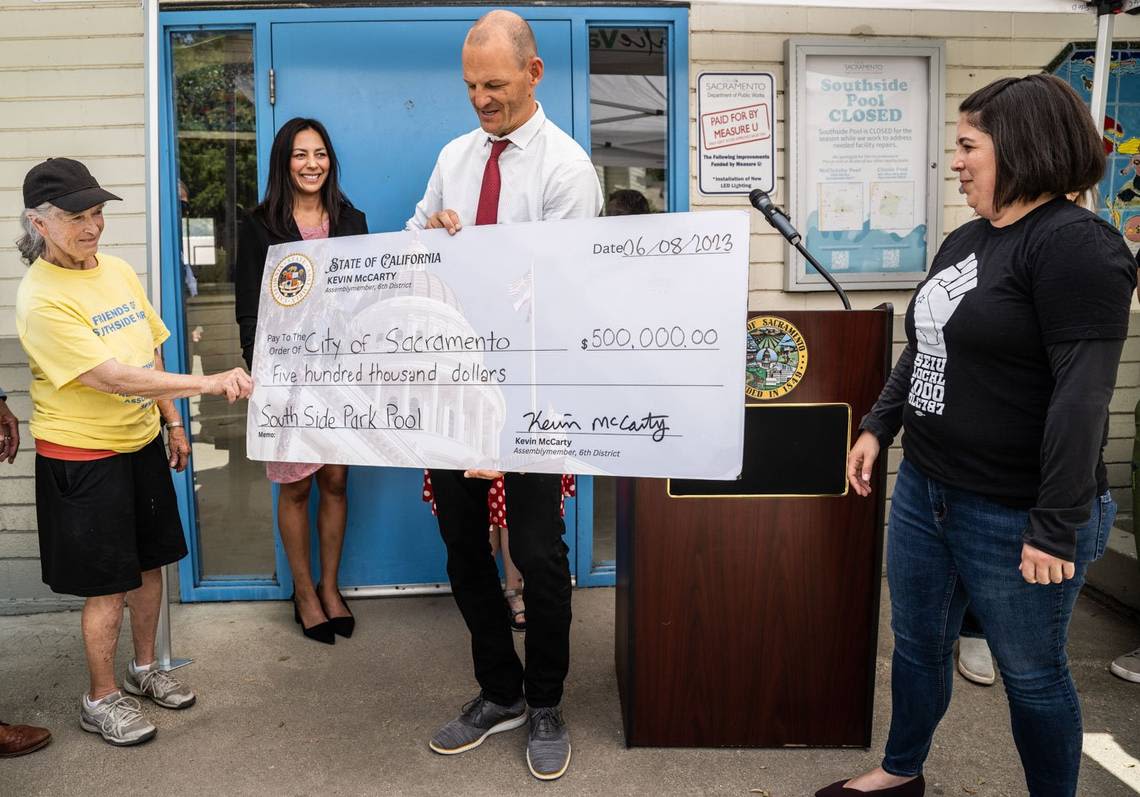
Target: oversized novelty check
[(608, 346)]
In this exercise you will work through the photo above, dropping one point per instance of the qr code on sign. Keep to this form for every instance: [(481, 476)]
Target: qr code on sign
[(891, 258), (840, 260)]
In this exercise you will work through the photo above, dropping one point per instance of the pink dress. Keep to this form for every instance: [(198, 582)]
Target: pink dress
[(289, 472)]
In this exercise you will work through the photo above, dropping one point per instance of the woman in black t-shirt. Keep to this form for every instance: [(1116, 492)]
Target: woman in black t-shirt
[(1002, 501)]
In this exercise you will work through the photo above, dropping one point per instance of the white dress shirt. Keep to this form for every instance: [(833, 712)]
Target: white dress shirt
[(545, 175)]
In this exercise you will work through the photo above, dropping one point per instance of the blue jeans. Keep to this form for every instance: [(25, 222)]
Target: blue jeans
[(946, 549)]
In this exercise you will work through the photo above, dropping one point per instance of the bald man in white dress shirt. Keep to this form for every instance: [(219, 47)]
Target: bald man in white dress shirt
[(517, 166)]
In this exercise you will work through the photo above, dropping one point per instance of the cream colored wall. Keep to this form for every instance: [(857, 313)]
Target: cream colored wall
[(71, 83), (980, 47)]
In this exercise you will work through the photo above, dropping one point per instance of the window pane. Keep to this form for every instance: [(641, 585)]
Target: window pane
[(216, 148), (628, 103), (628, 138)]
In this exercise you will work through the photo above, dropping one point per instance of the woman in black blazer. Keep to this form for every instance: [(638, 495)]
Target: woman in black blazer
[(302, 201)]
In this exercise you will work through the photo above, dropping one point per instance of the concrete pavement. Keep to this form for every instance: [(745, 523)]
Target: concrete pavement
[(281, 715)]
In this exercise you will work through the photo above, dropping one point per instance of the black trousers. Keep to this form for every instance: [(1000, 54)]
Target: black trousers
[(538, 550)]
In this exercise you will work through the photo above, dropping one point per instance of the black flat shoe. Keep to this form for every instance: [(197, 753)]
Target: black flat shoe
[(912, 788), (343, 626), (321, 632)]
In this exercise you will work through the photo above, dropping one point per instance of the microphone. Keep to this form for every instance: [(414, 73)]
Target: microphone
[(763, 203)]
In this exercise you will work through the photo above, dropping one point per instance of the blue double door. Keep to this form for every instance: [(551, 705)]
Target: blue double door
[(391, 94)]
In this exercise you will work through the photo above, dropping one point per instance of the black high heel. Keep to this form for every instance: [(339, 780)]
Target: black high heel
[(912, 788), (344, 626), (321, 632)]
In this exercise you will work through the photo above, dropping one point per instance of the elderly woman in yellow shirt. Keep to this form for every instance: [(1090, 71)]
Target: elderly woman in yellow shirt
[(105, 505)]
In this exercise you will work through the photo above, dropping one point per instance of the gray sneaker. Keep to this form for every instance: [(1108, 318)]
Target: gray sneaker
[(118, 718), (975, 662), (548, 748), (1127, 666), (161, 687), (478, 720)]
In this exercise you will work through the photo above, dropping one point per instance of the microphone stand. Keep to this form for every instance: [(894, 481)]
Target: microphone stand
[(824, 272), (763, 203)]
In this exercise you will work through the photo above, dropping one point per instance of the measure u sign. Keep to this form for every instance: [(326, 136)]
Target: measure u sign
[(737, 143)]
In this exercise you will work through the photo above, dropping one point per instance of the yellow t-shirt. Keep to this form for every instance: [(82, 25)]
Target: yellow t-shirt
[(70, 321)]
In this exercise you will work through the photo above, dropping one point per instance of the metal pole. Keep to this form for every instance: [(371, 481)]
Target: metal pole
[(1104, 27), (151, 66), (162, 636)]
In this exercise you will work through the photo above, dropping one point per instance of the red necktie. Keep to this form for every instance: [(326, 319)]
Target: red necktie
[(488, 212)]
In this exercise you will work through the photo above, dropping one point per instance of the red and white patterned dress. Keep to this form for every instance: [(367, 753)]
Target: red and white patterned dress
[(497, 498)]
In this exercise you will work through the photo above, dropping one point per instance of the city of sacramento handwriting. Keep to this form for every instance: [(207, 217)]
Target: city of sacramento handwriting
[(397, 342)]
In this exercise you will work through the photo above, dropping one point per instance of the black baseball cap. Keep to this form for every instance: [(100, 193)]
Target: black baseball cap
[(65, 183)]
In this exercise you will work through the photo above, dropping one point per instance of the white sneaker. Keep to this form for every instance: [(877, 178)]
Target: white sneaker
[(1127, 666), (118, 718), (159, 685), (975, 662)]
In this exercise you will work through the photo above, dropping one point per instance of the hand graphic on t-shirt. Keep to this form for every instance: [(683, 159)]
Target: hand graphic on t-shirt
[(937, 301)]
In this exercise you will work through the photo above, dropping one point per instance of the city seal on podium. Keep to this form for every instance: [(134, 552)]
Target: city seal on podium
[(777, 358), (292, 280)]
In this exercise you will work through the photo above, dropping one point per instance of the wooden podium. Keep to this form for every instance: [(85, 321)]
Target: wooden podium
[(748, 612)]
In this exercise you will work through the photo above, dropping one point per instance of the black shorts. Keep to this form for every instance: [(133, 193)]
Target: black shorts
[(103, 523)]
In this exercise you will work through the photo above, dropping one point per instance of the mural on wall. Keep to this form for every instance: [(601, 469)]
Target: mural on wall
[(1118, 194)]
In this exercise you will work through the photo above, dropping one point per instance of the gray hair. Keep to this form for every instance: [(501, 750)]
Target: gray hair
[(31, 244)]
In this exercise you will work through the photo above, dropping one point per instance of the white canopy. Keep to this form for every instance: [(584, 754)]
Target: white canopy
[(627, 120)]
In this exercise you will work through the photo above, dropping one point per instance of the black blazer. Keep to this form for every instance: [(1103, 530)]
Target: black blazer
[(254, 240)]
